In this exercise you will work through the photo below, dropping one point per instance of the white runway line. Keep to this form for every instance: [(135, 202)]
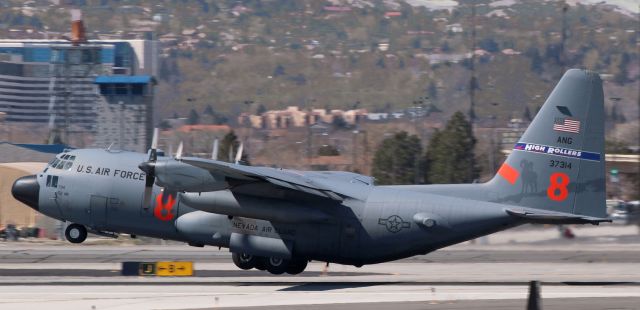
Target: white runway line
[(184, 297)]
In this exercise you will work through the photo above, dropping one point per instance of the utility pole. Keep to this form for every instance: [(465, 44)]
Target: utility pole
[(472, 80), (563, 56)]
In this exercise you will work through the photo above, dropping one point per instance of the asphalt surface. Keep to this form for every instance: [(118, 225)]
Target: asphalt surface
[(600, 269), (549, 304)]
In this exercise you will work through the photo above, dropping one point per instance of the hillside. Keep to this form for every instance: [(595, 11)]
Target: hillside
[(381, 55)]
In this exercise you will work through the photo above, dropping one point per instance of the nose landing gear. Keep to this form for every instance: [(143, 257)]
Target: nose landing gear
[(75, 233)]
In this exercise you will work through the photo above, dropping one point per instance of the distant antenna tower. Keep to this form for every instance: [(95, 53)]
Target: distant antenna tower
[(563, 56), (68, 64), (472, 81)]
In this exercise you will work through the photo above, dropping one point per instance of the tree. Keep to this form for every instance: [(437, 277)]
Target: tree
[(489, 45), (229, 147), (536, 60), (328, 150), (208, 110), (450, 156), (527, 114), (338, 122), (278, 71), (432, 90), (261, 109), (396, 160), (194, 118)]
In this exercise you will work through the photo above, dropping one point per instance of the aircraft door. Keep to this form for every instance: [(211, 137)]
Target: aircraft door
[(350, 239), (98, 210)]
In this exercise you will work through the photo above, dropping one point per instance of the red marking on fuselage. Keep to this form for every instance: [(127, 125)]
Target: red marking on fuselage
[(509, 173), (164, 206)]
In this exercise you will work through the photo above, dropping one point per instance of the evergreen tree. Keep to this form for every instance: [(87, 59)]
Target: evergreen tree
[(328, 150), (432, 91), (527, 114), (396, 160), (194, 118), (208, 110), (261, 109), (450, 156), (278, 71)]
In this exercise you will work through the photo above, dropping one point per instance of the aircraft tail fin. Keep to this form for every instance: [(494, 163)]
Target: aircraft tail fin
[(558, 165)]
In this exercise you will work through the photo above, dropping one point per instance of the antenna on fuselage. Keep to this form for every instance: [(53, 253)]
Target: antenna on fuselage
[(214, 152), (239, 153), (179, 152)]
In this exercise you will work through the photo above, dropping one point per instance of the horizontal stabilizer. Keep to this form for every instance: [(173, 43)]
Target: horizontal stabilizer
[(541, 217)]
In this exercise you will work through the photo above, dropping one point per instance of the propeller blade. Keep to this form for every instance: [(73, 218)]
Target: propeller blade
[(153, 154), (149, 168), (147, 192), (239, 154), (214, 153), (179, 152)]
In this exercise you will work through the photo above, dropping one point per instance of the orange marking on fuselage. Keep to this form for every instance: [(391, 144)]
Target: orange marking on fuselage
[(164, 206), (509, 173)]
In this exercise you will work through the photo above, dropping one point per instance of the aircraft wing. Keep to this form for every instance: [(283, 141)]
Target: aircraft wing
[(283, 178)]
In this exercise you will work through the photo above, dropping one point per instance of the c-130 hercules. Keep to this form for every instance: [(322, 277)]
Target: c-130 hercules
[(278, 219)]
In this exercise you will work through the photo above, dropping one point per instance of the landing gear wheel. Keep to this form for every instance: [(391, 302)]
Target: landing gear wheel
[(244, 261), (75, 233), (261, 263), (296, 266), (277, 265)]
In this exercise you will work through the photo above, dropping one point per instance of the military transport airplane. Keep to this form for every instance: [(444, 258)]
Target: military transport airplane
[(279, 219)]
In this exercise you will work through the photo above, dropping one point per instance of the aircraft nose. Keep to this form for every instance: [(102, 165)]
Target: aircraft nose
[(27, 191)]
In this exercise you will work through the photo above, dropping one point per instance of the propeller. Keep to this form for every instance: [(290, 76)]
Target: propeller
[(149, 169), (214, 152), (239, 153)]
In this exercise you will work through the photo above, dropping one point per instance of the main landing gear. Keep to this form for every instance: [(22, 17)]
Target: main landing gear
[(75, 233), (273, 265)]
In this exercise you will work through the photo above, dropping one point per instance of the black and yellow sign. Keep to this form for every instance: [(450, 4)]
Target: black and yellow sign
[(173, 269), (147, 269), (160, 269)]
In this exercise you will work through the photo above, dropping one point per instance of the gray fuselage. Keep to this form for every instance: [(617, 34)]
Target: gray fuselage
[(383, 223)]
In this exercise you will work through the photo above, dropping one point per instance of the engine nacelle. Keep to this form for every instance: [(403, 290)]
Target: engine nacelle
[(184, 177)]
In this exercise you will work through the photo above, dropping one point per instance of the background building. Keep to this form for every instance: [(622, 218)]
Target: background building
[(62, 84)]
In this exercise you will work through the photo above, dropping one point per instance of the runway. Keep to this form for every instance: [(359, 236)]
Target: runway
[(598, 270)]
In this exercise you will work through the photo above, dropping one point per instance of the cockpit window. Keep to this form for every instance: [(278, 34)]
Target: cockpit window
[(60, 165), (64, 162)]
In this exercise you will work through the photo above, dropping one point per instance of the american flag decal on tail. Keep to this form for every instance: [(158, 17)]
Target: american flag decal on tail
[(566, 125)]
